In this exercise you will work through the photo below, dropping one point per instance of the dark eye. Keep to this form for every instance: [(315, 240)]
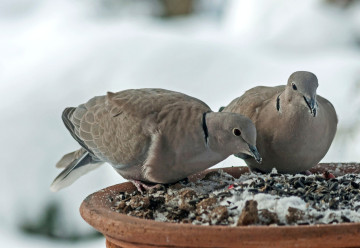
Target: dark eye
[(236, 132), (294, 86)]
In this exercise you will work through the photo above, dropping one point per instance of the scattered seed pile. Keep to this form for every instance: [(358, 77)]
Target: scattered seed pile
[(253, 199)]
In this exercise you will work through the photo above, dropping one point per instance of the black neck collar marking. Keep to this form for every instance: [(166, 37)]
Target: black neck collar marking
[(205, 129), (278, 103)]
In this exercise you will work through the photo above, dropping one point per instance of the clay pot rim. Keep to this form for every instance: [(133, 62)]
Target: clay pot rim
[(95, 209), (106, 212)]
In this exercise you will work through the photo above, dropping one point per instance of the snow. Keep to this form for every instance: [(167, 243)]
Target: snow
[(59, 53), (280, 205), (14, 238), (272, 203)]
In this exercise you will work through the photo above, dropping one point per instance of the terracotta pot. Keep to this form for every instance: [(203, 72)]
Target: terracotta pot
[(125, 231)]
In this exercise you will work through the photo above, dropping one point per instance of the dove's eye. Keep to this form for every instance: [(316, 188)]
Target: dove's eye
[(236, 132), (294, 86)]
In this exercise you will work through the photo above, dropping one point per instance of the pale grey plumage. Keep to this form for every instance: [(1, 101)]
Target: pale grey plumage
[(295, 127), (152, 135)]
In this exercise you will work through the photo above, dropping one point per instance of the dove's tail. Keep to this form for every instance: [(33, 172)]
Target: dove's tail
[(76, 164)]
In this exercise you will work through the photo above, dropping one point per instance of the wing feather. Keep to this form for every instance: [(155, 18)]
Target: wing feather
[(253, 99)]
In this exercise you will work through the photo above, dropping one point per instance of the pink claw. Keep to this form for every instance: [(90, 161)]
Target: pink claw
[(142, 187)]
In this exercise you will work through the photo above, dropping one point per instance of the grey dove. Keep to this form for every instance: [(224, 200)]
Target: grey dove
[(151, 136), (295, 126)]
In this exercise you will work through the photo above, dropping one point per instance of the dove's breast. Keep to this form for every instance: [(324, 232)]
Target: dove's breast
[(179, 147)]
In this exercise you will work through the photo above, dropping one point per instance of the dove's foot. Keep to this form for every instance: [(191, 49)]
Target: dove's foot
[(306, 173), (327, 175), (256, 170), (142, 186)]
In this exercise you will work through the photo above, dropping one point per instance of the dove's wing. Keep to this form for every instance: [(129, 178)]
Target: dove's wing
[(329, 109), (329, 121), (253, 99), (117, 128)]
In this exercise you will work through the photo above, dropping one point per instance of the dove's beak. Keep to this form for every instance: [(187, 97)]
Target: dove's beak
[(311, 103), (255, 153)]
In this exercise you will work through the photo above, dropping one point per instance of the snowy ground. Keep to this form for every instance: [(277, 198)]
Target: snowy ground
[(14, 238), (60, 53)]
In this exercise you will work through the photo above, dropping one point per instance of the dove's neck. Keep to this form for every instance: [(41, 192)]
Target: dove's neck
[(287, 96), (285, 101), (215, 139), (293, 106)]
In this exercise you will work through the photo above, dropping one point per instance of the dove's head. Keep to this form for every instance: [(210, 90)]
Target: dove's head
[(230, 133), (303, 84)]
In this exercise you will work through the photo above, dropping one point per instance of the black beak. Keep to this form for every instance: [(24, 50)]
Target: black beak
[(255, 153), (311, 103)]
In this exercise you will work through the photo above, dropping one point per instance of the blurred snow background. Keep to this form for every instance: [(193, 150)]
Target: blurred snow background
[(59, 53)]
